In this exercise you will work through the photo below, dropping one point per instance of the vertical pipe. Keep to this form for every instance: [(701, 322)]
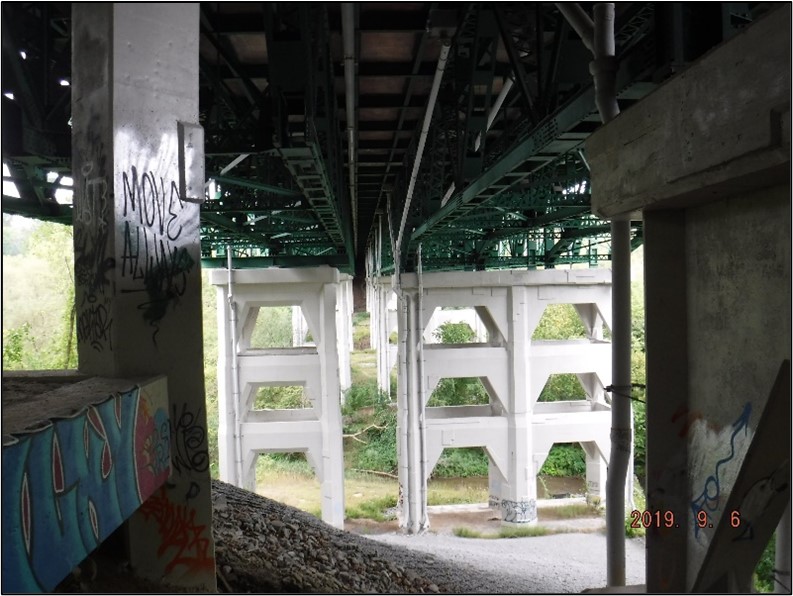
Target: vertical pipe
[(621, 415), (422, 390), (235, 376), (599, 38)]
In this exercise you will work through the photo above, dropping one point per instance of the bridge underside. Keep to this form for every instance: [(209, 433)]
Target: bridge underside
[(450, 154)]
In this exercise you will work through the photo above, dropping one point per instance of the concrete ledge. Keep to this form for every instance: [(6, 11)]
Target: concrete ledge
[(720, 127), (82, 460), (490, 279), (312, 275)]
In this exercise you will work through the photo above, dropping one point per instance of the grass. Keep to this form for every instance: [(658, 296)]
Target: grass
[(572, 511), (372, 509), (508, 532)]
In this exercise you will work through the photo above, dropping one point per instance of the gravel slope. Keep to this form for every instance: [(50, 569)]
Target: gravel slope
[(264, 546)]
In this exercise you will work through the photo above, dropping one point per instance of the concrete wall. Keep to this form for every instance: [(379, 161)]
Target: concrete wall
[(704, 160), (738, 280)]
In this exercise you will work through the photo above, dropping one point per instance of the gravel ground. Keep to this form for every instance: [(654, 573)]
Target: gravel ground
[(559, 563)]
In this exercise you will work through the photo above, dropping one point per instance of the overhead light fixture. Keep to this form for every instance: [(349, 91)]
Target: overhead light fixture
[(8, 94), (64, 83), (23, 54)]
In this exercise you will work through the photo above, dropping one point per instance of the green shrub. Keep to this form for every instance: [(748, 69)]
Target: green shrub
[(565, 459), (461, 463), (559, 321), (459, 392), (562, 387), (281, 398), (360, 338), (455, 333), (764, 572), (14, 341), (273, 328)]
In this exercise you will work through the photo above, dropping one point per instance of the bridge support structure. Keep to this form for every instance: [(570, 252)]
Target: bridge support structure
[(516, 432), (246, 430)]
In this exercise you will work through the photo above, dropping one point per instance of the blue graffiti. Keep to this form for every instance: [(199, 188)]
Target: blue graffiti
[(708, 500), (65, 489)]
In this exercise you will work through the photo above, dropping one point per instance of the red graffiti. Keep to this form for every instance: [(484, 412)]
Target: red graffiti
[(179, 532), (689, 416)]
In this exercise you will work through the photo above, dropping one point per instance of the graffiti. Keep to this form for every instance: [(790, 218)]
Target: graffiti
[(683, 413), (92, 266), (152, 207), (519, 512), (758, 498), (146, 197), (190, 450), (66, 487), (708, 500), (493, 501), (192, 492), (152, 449), (186, 542), (94, 326)]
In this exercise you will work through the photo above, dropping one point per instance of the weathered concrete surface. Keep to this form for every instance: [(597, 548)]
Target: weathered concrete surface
[(705, 159), (137, 249), (720, 127)]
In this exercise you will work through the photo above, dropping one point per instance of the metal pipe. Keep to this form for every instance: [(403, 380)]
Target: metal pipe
[(414, 441), (425, 127), (580, 21), (491, 117), (348, 35), (604, 66), (621, 415), (235, 375), (599, 38), (604, 71), (422, 402)]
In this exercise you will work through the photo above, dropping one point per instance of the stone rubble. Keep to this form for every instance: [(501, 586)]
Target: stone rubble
[(265, 546)]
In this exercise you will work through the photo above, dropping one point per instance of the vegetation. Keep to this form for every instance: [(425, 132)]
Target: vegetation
[(507, 532), (39, 333)]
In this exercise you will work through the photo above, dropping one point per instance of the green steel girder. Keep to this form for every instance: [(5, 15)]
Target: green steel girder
[(256, 185), (527, 156), (257, 262), (300, 69)]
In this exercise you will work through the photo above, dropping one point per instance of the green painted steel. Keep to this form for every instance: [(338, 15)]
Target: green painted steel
[(276, 152)]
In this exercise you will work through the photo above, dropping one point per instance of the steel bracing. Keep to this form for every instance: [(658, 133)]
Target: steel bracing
[(503, 180)]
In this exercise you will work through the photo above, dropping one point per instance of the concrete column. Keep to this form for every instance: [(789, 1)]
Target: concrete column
[(668, 413), (384, 358), (596, 474), (410, 408), (344, 331), (137, 254), (299, 328), (228, 424), (519, 493), (331, 471)]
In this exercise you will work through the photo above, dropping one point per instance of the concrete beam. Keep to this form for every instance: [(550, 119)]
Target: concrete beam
[(720, 127)]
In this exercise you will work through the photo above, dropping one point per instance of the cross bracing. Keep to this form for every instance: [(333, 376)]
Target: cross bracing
[(502, 182)]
